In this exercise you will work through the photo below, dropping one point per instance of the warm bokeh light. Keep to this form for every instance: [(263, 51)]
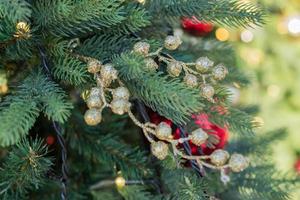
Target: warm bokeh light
[(273, 91), (294, 25), (222, 34), (247, 36)]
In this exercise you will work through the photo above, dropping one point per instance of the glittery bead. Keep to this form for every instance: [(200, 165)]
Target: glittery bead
[(94, 101), (163, 131), (93, 117), (120, 106), (238, 162), (94, 66), (172, 42), (219, 72), (108, 74), (203, 64), (141, 48), (151, 65), (198, 137), (207, 91), (121, 93), (160, 150), (95, 91), (191, 80), (219, 157), (174, 68)]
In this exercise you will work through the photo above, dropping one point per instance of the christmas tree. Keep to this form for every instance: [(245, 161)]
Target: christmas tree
[(101, 99)]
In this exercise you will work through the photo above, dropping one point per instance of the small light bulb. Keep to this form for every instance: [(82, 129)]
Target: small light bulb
[(141, 1), (120, 182)]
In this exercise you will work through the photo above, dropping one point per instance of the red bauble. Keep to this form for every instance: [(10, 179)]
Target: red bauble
[(202, 120), (297, 166), (155, 118), (50, 139), (196, 27)]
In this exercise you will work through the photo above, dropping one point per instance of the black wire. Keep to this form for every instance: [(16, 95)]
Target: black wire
[(142, 110), (58, 129), (64, 169), (187, 150)]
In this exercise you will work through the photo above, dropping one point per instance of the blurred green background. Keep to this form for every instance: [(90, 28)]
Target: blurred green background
[(272, 55)]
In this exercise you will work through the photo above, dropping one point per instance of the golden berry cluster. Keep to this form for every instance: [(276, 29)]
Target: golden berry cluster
[(195, 74), (96, 101), (160, 136)]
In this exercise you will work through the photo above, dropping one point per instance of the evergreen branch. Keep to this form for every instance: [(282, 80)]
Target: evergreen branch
[(24, 169), (237, 121), (20, 50), (135, 193), (70, 69), (56, 107), (80, 18), (52, 98), (66, 67), (263, 182), (108, 148), (16, 120), (135, 19), (105, 45), (224, 12), (257, 145), (12, 12), (15, 10), (184, 184), (19, 111)]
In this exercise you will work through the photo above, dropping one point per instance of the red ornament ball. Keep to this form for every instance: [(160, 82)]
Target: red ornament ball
[(196, 27), (50, 139), (297, 166), (202, 120), (155, 118)]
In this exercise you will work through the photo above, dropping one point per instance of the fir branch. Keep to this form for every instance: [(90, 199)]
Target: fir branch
[(12, 12), (135, 19), (24, 169), (19, 111), (259, 144), (262, 182), (70, 69), (104, 46), (135, 193), (236, 120), (80, 18), (16, 120), (184, 184), (224, 12), (66, 67), (15, 10), (56, 107), (107, 149)]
